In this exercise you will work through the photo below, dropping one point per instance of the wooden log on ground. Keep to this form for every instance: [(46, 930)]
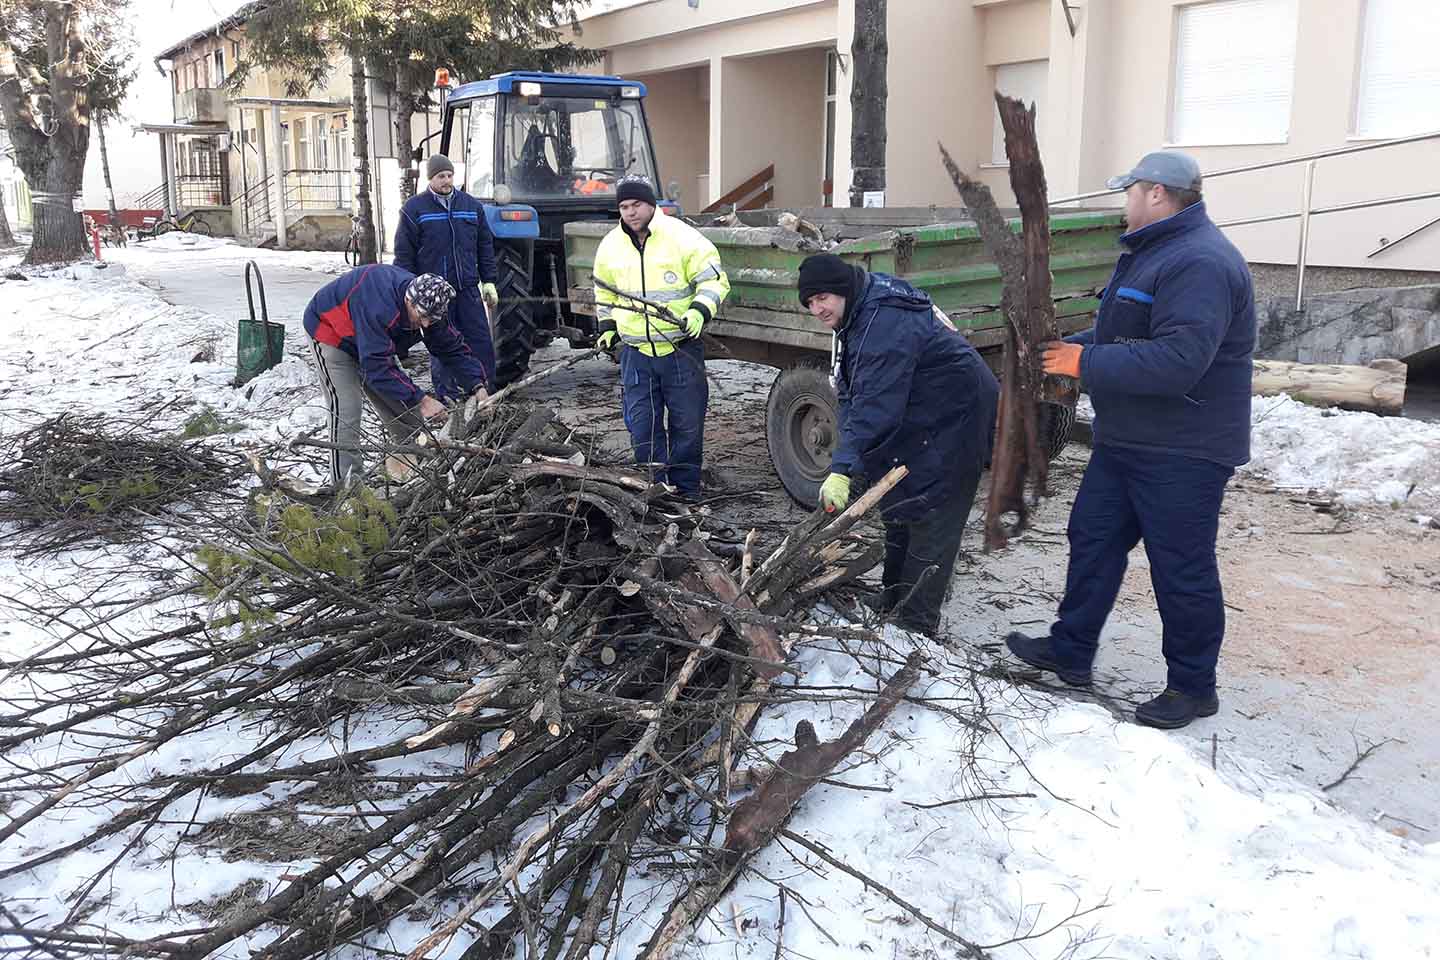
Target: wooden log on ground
[(1378, 387)]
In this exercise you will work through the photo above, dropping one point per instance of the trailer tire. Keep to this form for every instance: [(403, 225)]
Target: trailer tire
[(801, 430), (1056, 424), (513, 328)]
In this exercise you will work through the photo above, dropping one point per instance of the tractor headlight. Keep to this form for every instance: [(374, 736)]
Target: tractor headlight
[(503, 195), (529, 89), (630, 93)]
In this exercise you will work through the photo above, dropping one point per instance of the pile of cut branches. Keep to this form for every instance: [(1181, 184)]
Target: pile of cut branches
[(557, 665), (73, 478)]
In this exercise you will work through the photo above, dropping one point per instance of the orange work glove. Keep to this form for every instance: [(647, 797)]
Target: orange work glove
[(1061, 359)]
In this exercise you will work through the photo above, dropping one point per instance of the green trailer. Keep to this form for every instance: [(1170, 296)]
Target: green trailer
[(763, 322)]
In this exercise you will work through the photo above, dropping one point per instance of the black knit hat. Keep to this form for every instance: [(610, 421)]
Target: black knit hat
[(430, 294), (826, 273), (636, 187)]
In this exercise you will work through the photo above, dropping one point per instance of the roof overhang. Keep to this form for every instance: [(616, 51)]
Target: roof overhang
[(228, 23), (201, 129)]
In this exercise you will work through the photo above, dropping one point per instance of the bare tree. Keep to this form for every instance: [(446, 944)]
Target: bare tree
[(58, 67)]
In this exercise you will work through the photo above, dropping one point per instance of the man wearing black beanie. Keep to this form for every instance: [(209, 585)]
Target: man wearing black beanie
[(665, 261), (912, 391)]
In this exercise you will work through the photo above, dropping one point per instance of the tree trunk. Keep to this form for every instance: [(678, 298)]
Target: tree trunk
[(1376, 388), (105, 169), (53, 159), (404, 141), (361, 102), (7, 239), (869, 55)]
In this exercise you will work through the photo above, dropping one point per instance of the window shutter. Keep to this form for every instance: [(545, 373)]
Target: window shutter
[(1399, 69), (1234, 72)]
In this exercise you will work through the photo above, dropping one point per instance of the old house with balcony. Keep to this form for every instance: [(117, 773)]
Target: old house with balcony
[(262, 166)]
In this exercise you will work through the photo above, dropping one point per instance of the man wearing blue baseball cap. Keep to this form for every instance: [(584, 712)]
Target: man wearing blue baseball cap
[(1168, 368)]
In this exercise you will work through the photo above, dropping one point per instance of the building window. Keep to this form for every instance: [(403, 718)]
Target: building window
[(1399, 89), (219, 67), (234, 51), (1023, 81), (1234, 72), (832, 87), (302, 144), (322, 142)]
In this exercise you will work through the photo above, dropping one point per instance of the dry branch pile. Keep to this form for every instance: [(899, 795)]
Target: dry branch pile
[(599, 648), (73, 479)]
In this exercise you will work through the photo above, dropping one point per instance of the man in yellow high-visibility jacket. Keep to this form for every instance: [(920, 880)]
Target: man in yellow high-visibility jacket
[(662, 360)]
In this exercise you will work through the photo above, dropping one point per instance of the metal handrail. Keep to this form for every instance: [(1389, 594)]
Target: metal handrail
[(1307, 209), (1267, 164)]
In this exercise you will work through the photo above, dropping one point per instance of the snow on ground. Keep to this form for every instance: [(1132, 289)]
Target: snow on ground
[(1183, 859), (1360, 458)]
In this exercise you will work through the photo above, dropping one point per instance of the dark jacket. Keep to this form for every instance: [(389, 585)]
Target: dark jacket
[(911, 391), (1168, 363), (363, 313), (454, 243)]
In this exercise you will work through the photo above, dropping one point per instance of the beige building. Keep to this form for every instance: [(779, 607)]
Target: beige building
[(739, 85), (264, 166)]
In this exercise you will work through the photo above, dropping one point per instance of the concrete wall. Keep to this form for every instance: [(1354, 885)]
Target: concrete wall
[(1120, 119), (667, 35), (677, 106), (774, 112)]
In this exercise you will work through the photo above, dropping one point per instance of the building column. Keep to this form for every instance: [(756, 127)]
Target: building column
[(717, 132), (277, 212), (1080, 97), (172, 174)]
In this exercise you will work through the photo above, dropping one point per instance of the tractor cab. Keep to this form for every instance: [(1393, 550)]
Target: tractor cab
[(550, 140), (541, 150)]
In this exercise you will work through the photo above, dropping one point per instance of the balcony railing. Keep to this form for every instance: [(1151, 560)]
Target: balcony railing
[(318, 189), (201, 190)]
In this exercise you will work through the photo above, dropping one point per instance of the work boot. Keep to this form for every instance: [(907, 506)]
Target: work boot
[(1039, 652), (1173, 709)]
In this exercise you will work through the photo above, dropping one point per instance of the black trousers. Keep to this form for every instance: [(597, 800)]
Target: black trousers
[(922, 550)]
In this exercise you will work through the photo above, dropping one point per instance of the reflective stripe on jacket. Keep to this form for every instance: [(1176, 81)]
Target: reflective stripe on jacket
[(678, 268)]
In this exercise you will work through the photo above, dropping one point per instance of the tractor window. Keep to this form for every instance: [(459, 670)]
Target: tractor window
[(480, 149), (571, 146)]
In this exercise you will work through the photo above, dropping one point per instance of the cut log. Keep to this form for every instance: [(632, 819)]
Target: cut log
[(1378, 387)]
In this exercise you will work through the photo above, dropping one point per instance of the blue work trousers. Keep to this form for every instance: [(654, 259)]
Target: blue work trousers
[(467, 313), (664, 400), (1173, 504)]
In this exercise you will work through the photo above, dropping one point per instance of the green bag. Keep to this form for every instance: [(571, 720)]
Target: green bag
[(261, 345)]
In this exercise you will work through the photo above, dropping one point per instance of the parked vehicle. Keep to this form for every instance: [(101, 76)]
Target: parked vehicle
[(544, 152)]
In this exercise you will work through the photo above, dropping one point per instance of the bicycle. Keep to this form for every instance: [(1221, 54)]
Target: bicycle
[(352, 245), (190, 223)]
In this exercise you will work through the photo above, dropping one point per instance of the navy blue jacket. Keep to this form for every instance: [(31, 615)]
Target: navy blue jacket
[(911, 391), (1168, 362), (363, 313), (454, 243)]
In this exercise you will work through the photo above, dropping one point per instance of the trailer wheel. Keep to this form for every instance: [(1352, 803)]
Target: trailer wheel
[(513, 328), (1056, 424), (801, 429)]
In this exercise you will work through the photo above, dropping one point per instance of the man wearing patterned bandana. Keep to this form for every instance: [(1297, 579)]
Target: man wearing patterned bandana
[(357, 323)]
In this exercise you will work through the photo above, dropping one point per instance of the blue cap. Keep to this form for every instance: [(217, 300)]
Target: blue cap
[(1170, 168)]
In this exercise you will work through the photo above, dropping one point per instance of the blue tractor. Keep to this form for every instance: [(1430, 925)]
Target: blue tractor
[(541, 150)]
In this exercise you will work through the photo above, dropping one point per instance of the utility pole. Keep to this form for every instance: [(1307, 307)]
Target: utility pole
[(869, 54)]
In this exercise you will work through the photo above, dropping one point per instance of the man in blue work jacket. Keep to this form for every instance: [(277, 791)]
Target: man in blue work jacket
[(357, 324), (443, 231), (1168, 369), (912, 391)]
